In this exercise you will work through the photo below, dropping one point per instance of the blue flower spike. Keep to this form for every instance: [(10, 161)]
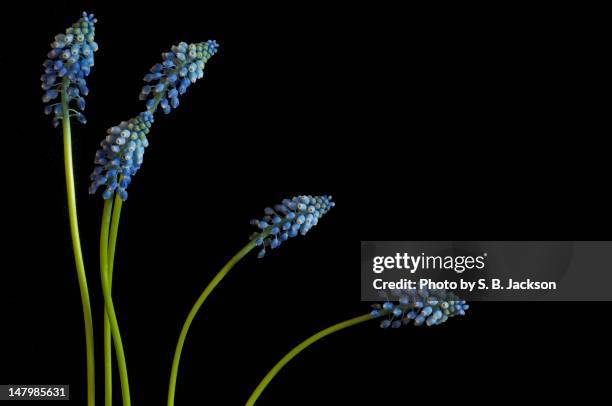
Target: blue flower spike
[(68, 64), (120, 156), (288, 219), (419, 307), (182, 66)]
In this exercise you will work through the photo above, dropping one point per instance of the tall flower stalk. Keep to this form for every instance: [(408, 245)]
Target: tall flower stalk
[(286, 220), (69, 62), (118, 160), (418, 307)]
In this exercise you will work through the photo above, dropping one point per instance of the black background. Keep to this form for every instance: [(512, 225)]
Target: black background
[(435, 124)]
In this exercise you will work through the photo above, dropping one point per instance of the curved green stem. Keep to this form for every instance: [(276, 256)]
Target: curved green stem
[(76, 248), (108, 348), (303, 345), (108, 301), (181, 341)]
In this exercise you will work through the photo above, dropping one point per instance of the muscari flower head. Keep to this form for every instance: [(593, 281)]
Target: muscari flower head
[(422, 306), (69, 63), (288, 219), (120, 156), (181, 66)]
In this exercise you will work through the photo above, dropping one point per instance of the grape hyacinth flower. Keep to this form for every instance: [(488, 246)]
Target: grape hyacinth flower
[(120, 156), (288, 219), (419, 307), (181, 66), (69, 63)]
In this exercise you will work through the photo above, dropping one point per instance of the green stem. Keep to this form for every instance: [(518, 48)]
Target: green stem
[(194, 310), (112, 241), (108, 349), (108, 301), (303, 345), (76, 248), (108, 363)]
